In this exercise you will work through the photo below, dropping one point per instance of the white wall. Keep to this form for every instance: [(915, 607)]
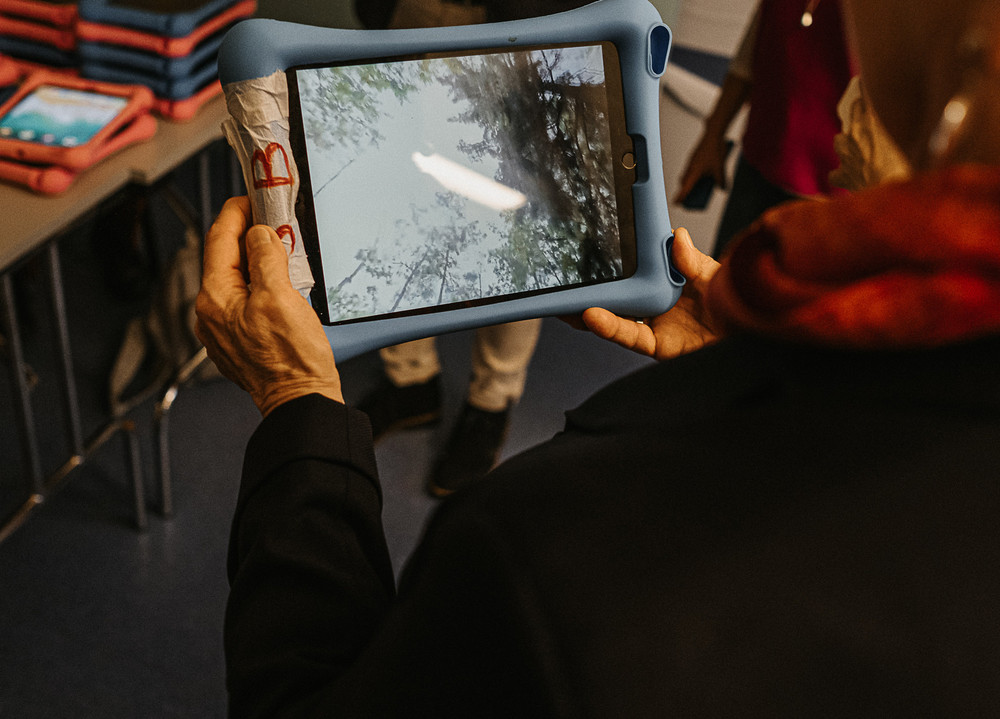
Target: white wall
[(715, 26)]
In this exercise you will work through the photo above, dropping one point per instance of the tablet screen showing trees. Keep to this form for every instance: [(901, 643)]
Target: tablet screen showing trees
[(442, 180)]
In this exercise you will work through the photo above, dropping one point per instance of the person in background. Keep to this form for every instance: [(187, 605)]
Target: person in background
[(375, 14), (792, 67), (793, 515), (867, 155), (410, 394)]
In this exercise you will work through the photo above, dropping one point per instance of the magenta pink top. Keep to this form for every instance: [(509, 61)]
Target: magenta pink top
[(799, 75)]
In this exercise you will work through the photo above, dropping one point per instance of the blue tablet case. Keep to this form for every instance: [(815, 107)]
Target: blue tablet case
[(170, 88), (167, 24), (148, 62), (36, 52), (259, 48)]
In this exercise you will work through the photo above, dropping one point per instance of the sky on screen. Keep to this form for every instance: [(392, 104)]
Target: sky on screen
[(379, 189)]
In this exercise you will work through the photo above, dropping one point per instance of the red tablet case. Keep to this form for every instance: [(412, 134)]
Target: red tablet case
[(169, 46), (118, 132), (49, 180), (181, 110), (52, 179), (54, 14), (58, 37), (23, 68), (9, 71)]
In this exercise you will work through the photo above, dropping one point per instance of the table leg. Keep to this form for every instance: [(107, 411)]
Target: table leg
[(25, 415), (65, 356), (161, 420)]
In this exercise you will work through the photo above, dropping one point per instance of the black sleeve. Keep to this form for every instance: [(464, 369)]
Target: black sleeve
[(312, 626), (308, 567)]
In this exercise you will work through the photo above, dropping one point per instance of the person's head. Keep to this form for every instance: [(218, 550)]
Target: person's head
[(916, 57)]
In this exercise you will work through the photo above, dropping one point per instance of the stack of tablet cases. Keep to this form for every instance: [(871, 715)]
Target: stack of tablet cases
[(55, 126), (170, 46), (41, 31)]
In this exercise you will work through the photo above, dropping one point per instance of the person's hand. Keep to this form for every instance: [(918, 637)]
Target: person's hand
[(682, 329), (707, 158), (266, 339)]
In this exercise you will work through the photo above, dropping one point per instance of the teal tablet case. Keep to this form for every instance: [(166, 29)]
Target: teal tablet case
[(258, 48)]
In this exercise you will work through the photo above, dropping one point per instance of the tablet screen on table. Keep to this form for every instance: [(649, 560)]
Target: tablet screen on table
[(60, 116)]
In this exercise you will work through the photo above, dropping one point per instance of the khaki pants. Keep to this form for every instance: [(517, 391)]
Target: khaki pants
[(501, 353), (499, 363)]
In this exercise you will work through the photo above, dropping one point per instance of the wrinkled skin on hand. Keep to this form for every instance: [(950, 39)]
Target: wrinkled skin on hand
[(257, 328)]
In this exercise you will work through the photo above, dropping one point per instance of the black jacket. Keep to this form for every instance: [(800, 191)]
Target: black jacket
[(755, 529)]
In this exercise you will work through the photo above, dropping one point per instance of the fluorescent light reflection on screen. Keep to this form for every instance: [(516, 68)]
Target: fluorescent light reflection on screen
[(469, 183)]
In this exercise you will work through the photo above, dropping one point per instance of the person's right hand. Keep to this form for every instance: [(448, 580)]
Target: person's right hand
[(684, 328), (707, 158), (257, 329)]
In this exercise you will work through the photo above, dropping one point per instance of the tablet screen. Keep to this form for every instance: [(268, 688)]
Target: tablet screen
[(60, 116), (452, 179)]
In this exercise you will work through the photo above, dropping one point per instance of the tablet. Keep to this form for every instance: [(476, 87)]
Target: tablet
[(46, 179), (57, 13), (168, 43), (168, 18), (61, 38), (500, 173), (163, 86), (65, 121), (52, 179), (447, 178), (9, 72), (39, 53), (148, 62), (186, 108)]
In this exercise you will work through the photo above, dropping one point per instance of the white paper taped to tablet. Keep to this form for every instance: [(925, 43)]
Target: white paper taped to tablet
[(257, 130)]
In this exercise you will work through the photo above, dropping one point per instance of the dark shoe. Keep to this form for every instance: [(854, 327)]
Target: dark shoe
[(390, 407), (471, 452)]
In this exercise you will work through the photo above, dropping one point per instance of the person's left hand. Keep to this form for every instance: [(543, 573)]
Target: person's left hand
[(684, 328), (257, 329)]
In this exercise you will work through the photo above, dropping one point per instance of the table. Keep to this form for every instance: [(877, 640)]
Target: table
[(41, 217), (32, 222)]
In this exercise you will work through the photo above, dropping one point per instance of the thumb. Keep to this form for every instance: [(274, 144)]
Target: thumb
[(691, 262), (267, 263)]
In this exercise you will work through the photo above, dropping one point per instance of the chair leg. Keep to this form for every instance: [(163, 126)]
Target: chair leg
[(133, 457), (161, 419)]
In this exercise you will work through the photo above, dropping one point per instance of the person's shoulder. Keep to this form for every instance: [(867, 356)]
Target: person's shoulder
[(622, 433), (688, 387)]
